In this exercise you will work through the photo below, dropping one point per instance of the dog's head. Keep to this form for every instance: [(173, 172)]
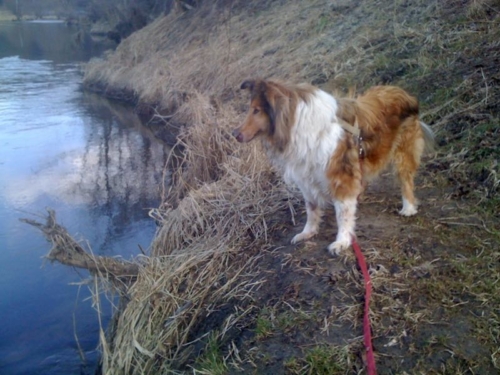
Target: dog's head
[(270, 113)]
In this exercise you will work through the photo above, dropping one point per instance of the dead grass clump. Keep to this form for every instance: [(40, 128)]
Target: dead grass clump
[(204, 149), (163, 321)]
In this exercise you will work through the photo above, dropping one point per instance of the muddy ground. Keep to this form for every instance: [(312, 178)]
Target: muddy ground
[(434, 275)]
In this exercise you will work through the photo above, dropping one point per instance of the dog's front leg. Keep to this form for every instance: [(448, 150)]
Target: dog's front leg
[(345, 212), (314, 214)]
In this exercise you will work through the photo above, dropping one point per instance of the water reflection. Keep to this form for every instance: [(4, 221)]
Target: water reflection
[(123, 166), (93, 162), (103, 159), (116, 175)]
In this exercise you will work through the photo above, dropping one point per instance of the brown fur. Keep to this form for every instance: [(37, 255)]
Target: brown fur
[(344, 171), (390, 130), (272, 110)]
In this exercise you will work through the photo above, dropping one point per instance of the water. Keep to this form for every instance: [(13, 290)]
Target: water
[(90, 160)]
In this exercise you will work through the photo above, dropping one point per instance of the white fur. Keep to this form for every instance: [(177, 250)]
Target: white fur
[(314, 214), (314, 138), (346, 217), (408, 208)]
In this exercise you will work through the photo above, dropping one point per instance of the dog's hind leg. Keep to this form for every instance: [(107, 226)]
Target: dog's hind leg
[(407, 160), (345, 212), (314, 214)]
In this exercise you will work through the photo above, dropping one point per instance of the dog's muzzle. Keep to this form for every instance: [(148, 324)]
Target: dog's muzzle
[(238, 135)]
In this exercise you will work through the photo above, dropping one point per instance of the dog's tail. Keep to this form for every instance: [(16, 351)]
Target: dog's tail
[(429, 138)]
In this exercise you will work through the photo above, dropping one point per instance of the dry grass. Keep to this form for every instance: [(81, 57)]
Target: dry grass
[(69, 252), (209, 53)]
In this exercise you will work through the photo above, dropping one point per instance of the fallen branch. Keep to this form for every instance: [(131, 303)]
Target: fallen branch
[(67, 251)]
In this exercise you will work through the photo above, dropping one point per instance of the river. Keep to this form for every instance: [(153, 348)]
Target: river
[(90, 160)]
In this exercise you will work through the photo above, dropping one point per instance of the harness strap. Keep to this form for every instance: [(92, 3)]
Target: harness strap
[(354, 130)]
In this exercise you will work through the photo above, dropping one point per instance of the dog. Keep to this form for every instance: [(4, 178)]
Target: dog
[(306, 133)]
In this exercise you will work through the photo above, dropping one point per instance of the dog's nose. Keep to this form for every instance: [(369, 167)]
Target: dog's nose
[(237, 134)]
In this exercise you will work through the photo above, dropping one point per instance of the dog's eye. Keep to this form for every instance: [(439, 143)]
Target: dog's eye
[(256, 110)]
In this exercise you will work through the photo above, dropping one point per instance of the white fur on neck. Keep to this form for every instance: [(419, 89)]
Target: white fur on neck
[(314, 138)]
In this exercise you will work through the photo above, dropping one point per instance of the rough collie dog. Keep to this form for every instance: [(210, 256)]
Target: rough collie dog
[(305, 133)]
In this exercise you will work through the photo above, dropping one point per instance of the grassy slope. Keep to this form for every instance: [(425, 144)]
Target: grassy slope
[(274, 308)]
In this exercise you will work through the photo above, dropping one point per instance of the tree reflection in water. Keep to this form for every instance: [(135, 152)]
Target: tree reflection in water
[(121, 171)]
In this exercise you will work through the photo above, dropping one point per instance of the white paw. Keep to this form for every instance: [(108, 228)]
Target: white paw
[(335, 248), (302, 236), (408, 210)]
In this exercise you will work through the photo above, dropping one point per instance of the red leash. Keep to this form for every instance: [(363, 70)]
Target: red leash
[(367, 332)]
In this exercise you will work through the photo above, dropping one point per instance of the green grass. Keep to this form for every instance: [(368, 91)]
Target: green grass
[(263, 325), (270, 322), (322, 23), (321, 360), (211, 361), (326, 360), (479, 147)]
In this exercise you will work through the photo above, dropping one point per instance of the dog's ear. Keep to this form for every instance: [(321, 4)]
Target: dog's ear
[(248, 84), (279, 107)]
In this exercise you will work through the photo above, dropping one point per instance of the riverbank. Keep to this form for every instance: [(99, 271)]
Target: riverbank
[(222, 291), (6, 16)]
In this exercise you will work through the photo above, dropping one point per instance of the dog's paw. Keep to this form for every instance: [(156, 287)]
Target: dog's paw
[(302, 236), (335, 248), (408, 210)]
